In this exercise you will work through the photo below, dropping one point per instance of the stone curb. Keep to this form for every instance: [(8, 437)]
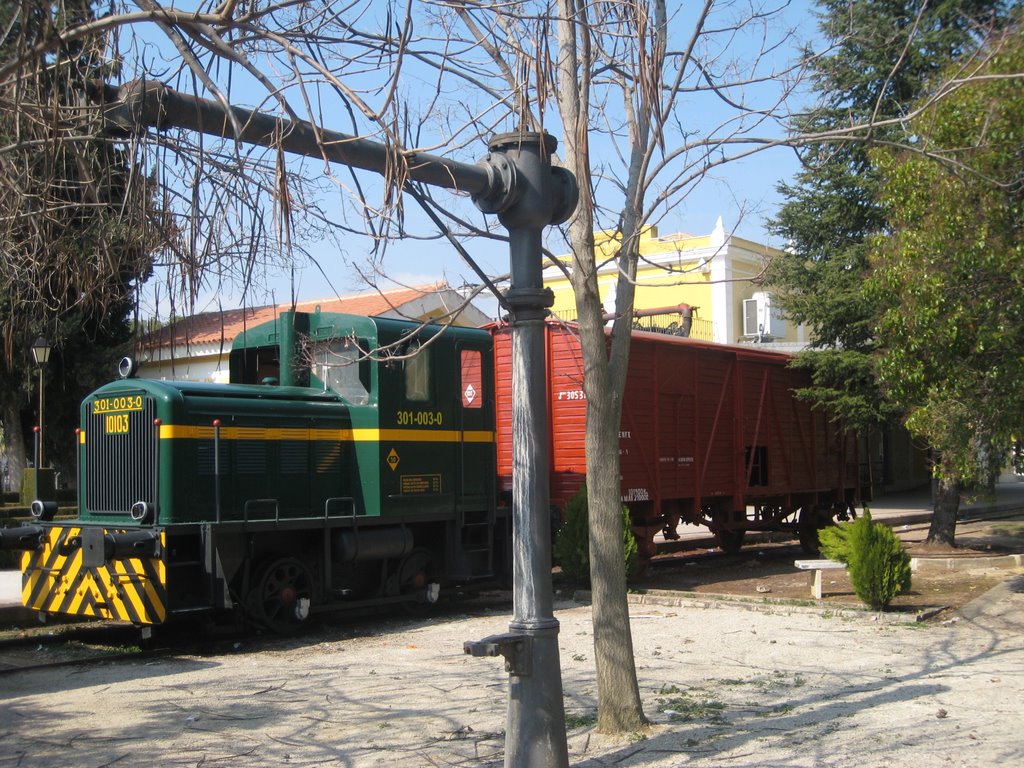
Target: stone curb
[(932, 564), (707, 601), (704, 600)]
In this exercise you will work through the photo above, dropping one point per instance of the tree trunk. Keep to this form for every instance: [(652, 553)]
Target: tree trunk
[(946, 506), (13, 446), (619, 707)]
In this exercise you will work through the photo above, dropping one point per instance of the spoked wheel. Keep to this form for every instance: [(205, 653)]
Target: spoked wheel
[(280, 597), (415, 578), (729, 540)]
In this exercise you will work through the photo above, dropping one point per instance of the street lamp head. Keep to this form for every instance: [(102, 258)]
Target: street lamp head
[(40, 351)]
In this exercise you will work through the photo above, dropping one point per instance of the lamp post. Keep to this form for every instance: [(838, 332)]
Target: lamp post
[(41, 354)]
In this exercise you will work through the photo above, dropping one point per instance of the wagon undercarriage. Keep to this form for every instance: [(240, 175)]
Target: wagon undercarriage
[(801, 519)]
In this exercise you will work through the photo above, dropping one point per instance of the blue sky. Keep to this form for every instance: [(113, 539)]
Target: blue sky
[(742, 193)]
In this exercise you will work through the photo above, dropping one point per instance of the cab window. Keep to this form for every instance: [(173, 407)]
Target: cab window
[(255, 365), (417, 373), (341, 366)]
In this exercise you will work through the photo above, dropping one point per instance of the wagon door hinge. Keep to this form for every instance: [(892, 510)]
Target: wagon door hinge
[(514, 646)]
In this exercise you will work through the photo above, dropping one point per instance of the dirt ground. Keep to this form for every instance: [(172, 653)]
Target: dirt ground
[(764, 570), (724, 682)]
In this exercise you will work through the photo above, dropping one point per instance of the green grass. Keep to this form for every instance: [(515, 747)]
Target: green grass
[(584, 720), (685, 708), (1016, 530)]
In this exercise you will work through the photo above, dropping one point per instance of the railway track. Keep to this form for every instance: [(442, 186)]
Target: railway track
[(83, 643), (67, 645)]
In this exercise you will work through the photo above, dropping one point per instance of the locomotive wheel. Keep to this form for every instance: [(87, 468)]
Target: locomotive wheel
[(415, 577), (280, 598), (730, 541)]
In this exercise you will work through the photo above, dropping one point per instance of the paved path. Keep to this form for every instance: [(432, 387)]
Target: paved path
[(726, 686)]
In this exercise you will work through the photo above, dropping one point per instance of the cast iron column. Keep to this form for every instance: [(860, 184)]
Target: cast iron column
[(541, 195)]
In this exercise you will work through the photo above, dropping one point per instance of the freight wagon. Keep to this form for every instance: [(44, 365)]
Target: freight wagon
[(711, 434)]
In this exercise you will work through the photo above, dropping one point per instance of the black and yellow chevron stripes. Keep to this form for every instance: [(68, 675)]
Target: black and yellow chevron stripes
[(55, 580)]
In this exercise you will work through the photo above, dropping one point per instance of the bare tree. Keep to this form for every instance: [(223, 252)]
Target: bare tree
[(78, 222), (619, 76)]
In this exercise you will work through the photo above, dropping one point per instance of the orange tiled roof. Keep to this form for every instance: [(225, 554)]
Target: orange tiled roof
[(224, 325)]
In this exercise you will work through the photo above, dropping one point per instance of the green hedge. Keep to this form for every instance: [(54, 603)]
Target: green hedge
[(879, 567), (572, 544)]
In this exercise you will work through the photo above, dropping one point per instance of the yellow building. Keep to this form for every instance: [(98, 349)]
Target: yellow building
[(716, 274)]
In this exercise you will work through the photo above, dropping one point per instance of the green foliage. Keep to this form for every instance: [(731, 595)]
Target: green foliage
[(832, 210), (879, 567), (845, 382), (1014, 530), (585, 720), (572, 544), (949, 276), (686, 708), (77, 224)]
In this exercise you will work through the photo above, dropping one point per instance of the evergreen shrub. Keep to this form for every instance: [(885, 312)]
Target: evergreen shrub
[(879, 567), (572, 544)]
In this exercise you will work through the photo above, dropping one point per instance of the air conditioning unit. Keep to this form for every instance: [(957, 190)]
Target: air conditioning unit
[(761, 319)]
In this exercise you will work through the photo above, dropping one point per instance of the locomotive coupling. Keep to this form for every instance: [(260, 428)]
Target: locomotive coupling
[(514, 646), (27, 538), (99, 548)]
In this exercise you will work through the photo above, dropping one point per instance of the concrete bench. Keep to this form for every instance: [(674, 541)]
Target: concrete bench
[(818, 566)]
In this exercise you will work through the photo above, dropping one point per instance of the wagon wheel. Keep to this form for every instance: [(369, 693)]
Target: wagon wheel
[(280, 598), (810, 520), (729, 540), (809, 542)]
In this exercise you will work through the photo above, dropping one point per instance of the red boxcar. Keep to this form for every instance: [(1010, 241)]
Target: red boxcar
[(711, 434)]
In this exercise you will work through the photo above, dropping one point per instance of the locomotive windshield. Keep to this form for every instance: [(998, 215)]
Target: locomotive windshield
[(343, 368)]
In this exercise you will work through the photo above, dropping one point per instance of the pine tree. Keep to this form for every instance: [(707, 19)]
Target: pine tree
[(76, 226), (885, 54), (879, 567), (572, 544)]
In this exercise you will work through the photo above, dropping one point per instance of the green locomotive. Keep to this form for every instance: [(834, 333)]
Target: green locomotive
[(349, 462)]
